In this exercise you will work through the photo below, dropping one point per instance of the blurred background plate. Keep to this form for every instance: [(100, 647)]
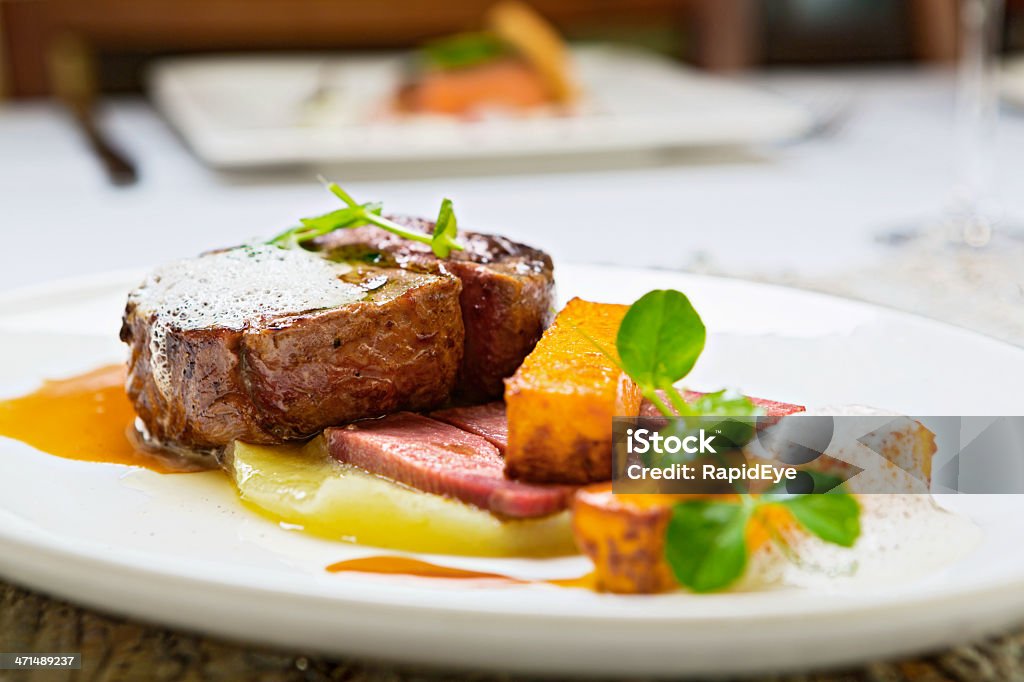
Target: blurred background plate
[(237, 111), (1011, 82)]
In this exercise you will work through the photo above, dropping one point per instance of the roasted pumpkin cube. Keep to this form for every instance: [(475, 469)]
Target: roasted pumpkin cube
[(624, 536), (561, 401)]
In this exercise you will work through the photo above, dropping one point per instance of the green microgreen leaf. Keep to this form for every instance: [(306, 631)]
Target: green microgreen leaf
[(660, 339), (724, 403), (705, 543), (463, 50), (445, 230), (834, 517), (442, 242), (343, 217), (821, 483), (737, 425), (337, 191)]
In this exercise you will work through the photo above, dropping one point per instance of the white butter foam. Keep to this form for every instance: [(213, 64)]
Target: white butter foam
[(238, 289), (904, 538)]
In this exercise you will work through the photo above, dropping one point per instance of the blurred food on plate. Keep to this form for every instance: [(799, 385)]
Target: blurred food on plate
[(517, 63)]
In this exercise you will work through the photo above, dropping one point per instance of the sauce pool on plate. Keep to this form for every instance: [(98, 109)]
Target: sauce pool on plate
[(406, 566), (86, 417)]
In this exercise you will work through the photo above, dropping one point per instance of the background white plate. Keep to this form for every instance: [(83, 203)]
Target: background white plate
[(252, 111), (181, 550), (1011, 82)]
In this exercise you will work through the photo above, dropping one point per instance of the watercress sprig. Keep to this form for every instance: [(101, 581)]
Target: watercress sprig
[(442, 241), (659, 341), (463, 50), (706, 540)]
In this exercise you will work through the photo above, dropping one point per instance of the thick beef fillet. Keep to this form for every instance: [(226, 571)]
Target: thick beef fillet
[(438, 458), (266, 345), (507, 294), (487, 421)]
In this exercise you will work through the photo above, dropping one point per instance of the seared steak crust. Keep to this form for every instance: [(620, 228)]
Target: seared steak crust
[(287, 378), (507, 294)]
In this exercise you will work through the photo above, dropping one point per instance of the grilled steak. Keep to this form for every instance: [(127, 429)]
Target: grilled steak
[(438, 458), (265, 345), (507, 294), (487, 421)]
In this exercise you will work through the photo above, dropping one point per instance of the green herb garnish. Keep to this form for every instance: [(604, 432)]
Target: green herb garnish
[(463, 50), (828, 511), (659, 341), (706, 544), (442, 241)]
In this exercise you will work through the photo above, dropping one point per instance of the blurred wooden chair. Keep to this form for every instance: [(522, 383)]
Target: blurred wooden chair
[(723, 32), (721, 35), (934, 29)]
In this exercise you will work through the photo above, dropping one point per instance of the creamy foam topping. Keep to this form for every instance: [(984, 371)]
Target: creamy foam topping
[(242, 288), (904, 538)]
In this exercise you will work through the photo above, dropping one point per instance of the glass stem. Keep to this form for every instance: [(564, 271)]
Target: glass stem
[(976, 113)]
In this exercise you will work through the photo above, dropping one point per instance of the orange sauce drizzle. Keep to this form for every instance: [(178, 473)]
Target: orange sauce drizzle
[(397, 565), (89, 418), (86, 417)]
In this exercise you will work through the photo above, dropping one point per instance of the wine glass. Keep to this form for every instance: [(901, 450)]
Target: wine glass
[(971, 216)]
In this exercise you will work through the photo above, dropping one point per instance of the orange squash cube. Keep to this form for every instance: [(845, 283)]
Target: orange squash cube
[(624, 536), (561, 401)]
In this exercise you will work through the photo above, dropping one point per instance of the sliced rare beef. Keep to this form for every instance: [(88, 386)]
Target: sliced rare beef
[(438, 458), (771, 408), (487, 421), (507, 294), (267, 345)]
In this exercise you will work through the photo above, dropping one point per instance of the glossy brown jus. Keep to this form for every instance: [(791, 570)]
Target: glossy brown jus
[(86, 417), (404, 566)]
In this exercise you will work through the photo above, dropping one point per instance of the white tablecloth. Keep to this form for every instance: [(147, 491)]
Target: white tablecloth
[(803, 211)]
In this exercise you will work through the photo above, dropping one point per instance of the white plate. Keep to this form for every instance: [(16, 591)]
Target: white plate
[(181, 550), (1011, 82), (253, 111)]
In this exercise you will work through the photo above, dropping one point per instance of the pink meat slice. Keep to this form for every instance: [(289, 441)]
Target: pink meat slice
[(438, 458), (487, 421), (772, 408)]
